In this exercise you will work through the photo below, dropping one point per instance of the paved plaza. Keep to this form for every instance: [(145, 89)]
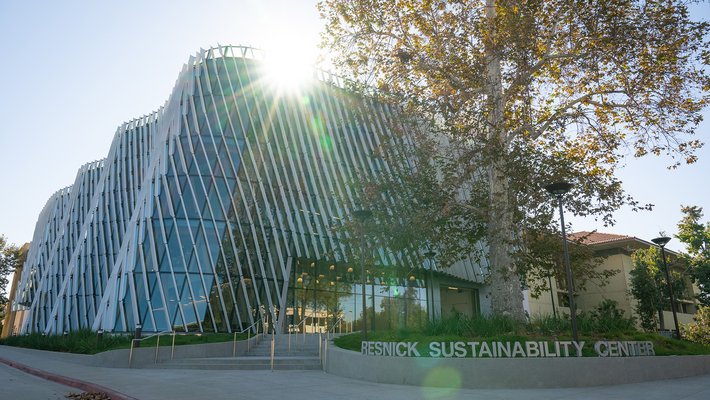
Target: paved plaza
[(147, 384)]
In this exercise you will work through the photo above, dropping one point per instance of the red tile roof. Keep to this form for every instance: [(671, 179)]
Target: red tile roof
[(599, 237)]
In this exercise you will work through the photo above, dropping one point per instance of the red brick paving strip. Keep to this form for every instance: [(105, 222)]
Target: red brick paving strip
[(75, 383)]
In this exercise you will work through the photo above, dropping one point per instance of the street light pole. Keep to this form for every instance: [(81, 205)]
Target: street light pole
[(661, 242), (430, 303), (552, 296), (558, 189), (362, 216)]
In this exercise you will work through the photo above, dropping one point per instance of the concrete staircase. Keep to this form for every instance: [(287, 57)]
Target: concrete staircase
[(302, 354)]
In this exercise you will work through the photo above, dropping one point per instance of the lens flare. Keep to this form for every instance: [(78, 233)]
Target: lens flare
[(441, 382)]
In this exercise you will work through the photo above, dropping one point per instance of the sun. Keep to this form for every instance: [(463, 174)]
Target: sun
[(288, 65)]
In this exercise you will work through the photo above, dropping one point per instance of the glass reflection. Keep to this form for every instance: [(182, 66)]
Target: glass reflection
[(327, 296)]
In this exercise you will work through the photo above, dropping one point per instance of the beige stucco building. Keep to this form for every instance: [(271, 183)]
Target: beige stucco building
[(615, 251)]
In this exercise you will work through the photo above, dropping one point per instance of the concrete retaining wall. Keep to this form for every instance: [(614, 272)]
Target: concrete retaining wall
[(147, 355), (144, 356), (511, 373)]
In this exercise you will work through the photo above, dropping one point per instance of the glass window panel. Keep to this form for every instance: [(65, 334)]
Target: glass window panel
[(175, 255), (192, 266), (201, 252), (185, 299), (169, 229), (169, 289), (191, 211), (200, 296)]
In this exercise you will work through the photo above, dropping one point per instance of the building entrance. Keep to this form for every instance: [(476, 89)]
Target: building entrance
[(458, 300), (328, 296)]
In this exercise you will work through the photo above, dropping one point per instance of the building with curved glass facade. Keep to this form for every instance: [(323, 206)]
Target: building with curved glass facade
[(224, 208)]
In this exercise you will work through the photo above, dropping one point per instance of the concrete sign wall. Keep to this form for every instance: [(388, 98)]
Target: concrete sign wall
[(495, 373)]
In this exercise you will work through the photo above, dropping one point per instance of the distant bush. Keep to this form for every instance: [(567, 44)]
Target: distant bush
[(549, 325), (477, 326), (699, 332), (81, 342), (606, 318)]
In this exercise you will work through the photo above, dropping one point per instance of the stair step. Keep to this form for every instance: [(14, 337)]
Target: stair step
[(237, 360), (303, 355), (244, 367), (244, 363)]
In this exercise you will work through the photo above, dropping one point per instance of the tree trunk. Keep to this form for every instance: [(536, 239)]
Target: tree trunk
[(506, 290)]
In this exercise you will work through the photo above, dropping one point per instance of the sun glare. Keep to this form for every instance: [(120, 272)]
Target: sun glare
[(288, 65)]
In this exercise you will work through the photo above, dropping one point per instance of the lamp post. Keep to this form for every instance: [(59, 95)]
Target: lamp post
[(362, 216), (306, 279), (430, 255), (552, 296), (661, 242), (558, 189)]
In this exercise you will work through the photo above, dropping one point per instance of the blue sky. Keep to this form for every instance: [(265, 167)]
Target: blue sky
[(73, 71)]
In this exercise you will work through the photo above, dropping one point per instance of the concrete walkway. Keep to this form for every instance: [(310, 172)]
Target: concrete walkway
[(147, 384), (16, 384)]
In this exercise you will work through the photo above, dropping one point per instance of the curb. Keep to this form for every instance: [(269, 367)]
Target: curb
[(67, 381)]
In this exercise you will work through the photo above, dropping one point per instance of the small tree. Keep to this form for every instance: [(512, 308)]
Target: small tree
[(649, 287), (696, 238), (541, 261), (10, 258)]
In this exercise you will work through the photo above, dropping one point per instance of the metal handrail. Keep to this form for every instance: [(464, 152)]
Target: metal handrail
[(302, 321), (332, 328), (296, 326), (234, 346), (250, 326), (174, 333), (335, 324), (248, 330), (158, 334)]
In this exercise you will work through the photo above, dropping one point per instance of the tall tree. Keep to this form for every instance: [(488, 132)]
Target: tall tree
[(540, 91), (696, 238), (413, 209)]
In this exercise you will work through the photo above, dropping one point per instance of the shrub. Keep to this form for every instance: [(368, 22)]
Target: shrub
[(549, 325), (476, 326), (607, 318), (84, 341), (699, 332)]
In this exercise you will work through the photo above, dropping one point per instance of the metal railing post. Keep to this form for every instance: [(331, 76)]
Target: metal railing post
[(130, 353), (272, 352), (325, 356), (172, 350), (234, 345), (157, 349)]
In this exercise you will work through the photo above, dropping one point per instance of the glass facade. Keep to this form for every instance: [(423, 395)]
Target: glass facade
[(222, 209), (326, 295)]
